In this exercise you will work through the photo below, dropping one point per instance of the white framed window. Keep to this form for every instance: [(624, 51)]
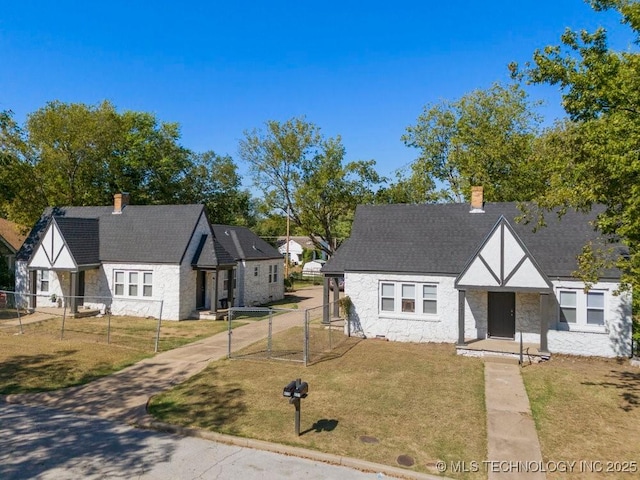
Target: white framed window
[(408, 298), (44, 280), (580, 309), (132, 283), (225, 280), (273, 273), (595, 308), (568, 306)]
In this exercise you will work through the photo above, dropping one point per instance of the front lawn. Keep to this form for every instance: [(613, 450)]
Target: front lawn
[(378, 401), (39, 360), (587, 410)]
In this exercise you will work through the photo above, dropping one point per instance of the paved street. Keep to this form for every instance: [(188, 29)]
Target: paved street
[(45, 443)]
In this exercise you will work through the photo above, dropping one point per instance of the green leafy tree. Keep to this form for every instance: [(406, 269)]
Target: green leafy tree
[(303, 175), (77, 154), (484, 138), (600, 162)]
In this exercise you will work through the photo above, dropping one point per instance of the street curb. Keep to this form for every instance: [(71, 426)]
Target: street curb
[(329, 458)]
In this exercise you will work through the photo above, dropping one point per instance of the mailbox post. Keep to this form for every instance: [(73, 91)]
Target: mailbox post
[(296, 390)]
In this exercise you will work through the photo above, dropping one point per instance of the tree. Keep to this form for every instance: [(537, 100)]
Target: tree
[(601, 93), (77, 154), (484, 138), (301, 174)]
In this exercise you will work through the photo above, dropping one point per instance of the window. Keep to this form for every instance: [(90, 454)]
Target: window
[(387, 301), (147, 284), (408, 298), (568, 307), (132, 283), (430, 299), (581, 309), (119, 283), (44, 280), (415, 298), (595, 308), (273, 273)]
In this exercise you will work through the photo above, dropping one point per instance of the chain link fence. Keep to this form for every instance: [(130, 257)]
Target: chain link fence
[(303, 336), (130, 324)]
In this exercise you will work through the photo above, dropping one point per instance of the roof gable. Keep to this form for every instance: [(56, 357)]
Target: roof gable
[(53, 251), (503, 261), (243, 244)]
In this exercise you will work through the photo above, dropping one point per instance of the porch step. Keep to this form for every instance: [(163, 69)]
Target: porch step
[(207, 315)]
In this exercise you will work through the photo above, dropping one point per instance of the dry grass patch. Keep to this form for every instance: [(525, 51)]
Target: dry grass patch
[(39, 360), (420, 400), (586, 410)]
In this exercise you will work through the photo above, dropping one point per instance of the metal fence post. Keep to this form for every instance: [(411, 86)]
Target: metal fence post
[(157, 343), (15, 301), (305, 352), (229, 319), (270, 333), (64, 315)]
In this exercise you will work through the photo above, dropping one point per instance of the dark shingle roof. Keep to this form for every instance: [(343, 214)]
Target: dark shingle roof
[(441, 239), (140, 234), (243, 244), (82, 237), (211, 254)]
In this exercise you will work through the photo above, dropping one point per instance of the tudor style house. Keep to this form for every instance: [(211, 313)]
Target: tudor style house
[(140, 260), (451, 273)]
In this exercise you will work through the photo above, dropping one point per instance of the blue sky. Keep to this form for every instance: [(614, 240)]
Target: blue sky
[(363, 70)]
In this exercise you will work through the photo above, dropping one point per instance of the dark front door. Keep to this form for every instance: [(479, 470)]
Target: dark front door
[(502, 314), (80, 300), (201, 288)]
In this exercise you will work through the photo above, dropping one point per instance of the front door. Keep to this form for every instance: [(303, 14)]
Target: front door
[(80, 300), (201, 288), (502, 314)]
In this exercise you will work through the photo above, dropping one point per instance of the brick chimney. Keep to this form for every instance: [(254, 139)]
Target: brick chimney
[(120, 200), (477, 200)]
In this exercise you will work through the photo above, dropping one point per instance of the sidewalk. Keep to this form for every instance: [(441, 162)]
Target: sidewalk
[(123, 396), (512, 440)]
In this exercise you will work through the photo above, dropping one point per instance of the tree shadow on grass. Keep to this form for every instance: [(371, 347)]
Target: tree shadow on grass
[(37, 373), (201, 403), (628, 384)]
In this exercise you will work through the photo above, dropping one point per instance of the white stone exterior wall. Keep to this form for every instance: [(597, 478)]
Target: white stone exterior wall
[(257, 289), (611, 340), (368, 320)]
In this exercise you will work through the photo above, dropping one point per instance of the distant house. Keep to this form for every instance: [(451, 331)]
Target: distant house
[(259, 270), (11, 239), (451, 273), (297, 245), (137, 260)]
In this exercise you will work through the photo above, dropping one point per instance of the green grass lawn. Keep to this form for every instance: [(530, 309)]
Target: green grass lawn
[(39, 360), (586, 409), (420, 400)]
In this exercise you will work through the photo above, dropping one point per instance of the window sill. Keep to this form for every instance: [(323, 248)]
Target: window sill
[(562, 327), (412, 317)]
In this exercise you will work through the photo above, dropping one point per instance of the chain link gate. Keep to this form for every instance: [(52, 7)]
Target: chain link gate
[(302, 336)]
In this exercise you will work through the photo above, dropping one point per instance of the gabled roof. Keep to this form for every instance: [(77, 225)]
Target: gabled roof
[(10, 234), (243, 244), (442, 238), (140, 234), (211, 254)]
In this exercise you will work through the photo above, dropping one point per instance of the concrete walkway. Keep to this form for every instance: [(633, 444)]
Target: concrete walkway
[(512, 440)]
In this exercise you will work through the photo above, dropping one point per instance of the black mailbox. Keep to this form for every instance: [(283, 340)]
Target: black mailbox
[(289, 389), (301, 390)]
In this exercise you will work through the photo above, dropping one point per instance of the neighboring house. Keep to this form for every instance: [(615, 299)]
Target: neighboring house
[(297, 245), (313, 268), (443, 273), (259, 270), (10, 242), (127, 258)]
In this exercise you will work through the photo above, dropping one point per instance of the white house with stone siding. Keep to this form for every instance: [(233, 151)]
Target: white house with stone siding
[(451, 273), (140, 260)]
